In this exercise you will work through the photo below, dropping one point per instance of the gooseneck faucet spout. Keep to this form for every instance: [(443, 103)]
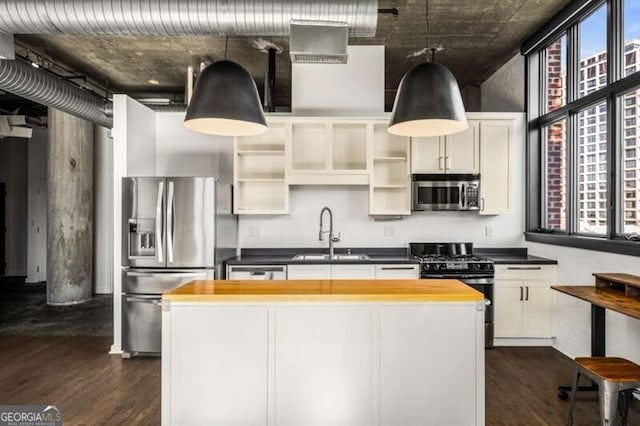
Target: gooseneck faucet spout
[(332, 238)]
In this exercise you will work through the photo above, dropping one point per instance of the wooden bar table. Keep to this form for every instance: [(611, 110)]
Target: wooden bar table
[(616, 292)]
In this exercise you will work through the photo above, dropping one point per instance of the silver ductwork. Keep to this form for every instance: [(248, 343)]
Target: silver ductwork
[(185, 17), (318, 42), (39, 86)]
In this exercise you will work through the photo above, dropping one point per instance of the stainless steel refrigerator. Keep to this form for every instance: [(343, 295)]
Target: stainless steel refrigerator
[(175, 230)]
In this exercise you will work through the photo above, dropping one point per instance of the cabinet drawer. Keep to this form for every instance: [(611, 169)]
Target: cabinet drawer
[(390, 272), (525, 272), (309, 272)]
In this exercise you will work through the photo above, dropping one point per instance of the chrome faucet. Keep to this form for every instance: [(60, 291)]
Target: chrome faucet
[(332, 238)]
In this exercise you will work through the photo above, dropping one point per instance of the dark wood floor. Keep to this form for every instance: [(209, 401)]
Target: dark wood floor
[(94, 388)]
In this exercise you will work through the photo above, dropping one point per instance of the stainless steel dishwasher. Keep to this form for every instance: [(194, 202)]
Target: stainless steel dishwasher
[(257, 272)]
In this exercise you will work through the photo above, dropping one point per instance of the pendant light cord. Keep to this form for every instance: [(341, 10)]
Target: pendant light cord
[(226, 46), (426, 30)]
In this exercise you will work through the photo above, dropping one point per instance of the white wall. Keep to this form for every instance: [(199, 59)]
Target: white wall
[(355, 88), (37, 207), (183, 152), (103, 213), (573, 317), (13, 172), (134, 154), (504, 90)]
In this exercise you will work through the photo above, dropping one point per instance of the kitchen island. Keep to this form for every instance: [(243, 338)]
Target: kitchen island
[(323, 352)]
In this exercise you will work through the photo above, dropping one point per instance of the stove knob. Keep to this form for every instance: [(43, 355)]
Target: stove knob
[(475, 266), (436, 266), (425, 267)]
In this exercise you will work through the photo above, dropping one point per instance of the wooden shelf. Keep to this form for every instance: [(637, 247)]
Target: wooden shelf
[(261, 152), (261, 179), (391, 186), (390, 159), (624, 283)]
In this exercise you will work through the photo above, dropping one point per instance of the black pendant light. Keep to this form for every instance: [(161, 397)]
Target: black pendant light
[(225, 102), (428, 103)]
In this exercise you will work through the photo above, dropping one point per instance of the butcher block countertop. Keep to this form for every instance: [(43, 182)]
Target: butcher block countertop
[(324, 290)]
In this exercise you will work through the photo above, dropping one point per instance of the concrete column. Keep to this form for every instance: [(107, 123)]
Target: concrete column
[(69, 209)]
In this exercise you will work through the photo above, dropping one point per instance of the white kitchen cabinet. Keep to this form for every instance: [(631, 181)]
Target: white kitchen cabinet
[(323, 359), (457, 153), (496, 166), (328, 152), (216, 366), (523, 301), (397, 272), (308, 272), (350, 271), (417, 385), (390, 186), (259, 173)]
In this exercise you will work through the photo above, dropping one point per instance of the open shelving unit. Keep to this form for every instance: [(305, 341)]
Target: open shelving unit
[(390, 188), (260, 185)]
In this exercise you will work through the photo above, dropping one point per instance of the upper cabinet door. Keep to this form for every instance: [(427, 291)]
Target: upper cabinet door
[(496, 172), (463, 150), (427, 155)]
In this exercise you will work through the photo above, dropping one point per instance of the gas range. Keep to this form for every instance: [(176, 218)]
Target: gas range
[(453, 260)]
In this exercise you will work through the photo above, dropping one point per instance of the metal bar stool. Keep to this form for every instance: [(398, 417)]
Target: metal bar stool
[(612, 375)]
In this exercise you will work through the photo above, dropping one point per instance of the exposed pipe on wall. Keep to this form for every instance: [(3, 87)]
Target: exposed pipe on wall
[(270, 80), (186, 17), (39, 86)]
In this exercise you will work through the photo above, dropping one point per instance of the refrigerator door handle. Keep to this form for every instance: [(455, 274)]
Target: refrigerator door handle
[(170, 214), (159, 248)]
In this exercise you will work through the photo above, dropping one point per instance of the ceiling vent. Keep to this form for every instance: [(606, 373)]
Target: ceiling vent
[(318, 42)]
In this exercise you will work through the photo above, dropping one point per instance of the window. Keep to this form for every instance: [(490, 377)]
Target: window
[(556, 59), (630, 167), (587, 223), (631, 30), (584, 189), (593, 42), (555, 182)]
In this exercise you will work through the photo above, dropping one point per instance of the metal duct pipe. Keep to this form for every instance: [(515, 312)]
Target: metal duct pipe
[(187, 17), (37, 85)]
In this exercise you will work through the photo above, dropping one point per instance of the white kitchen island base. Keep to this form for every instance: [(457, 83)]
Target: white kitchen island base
[(292, 363)]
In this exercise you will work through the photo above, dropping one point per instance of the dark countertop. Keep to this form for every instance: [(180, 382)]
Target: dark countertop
[(288, 260), (513, 256), (284, 256)]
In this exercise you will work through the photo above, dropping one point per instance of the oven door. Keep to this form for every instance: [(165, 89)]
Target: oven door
[(485, 286), (435, 195)]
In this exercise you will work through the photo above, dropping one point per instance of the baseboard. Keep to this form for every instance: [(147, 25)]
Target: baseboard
[(515, 341), (115, 350)]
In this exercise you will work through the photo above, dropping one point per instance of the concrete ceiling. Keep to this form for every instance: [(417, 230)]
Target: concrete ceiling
[(479, 36)]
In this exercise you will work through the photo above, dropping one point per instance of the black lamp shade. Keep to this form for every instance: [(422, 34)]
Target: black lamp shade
[(225, 102), (428, 103)]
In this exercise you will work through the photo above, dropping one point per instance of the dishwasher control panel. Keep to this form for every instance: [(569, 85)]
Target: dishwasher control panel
[(257, 272)]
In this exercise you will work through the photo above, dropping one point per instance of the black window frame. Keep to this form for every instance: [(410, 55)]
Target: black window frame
[(618, 83)]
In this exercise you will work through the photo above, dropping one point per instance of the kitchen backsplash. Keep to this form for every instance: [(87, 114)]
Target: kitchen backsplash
[(358, 229)]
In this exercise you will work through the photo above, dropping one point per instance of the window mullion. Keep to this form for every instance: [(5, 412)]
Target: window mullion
[(572, 132)]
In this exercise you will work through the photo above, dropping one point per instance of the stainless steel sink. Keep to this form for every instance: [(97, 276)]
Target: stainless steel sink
[(329, 257)]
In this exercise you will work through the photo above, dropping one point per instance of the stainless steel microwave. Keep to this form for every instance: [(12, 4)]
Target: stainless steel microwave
[(445, 192)]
